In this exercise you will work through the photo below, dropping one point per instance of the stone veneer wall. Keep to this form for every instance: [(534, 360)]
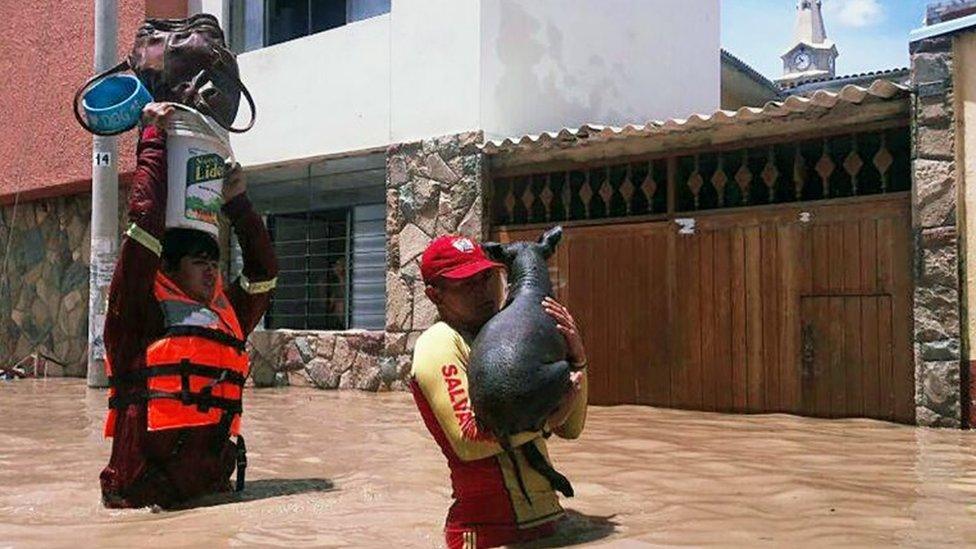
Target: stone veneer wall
[(44, 306), (938, 374), (327, 360), (44, 281), (433, 187)]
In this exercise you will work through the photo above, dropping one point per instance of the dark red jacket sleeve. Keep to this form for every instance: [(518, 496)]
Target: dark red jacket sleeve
[(130, 294), (260, 264)]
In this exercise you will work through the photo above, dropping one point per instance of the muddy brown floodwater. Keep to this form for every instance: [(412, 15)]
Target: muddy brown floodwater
[(359, 470)]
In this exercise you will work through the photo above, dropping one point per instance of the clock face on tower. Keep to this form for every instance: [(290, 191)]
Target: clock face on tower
[(802, 60)]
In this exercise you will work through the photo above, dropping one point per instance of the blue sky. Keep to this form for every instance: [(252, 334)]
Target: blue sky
[(870, 34)]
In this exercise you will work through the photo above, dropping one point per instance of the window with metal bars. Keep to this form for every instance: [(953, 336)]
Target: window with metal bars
[(314, 251), (255, 24)]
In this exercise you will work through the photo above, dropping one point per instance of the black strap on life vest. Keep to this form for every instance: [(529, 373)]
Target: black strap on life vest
[(177, 369), (203, 402), (206, 333), (241, 463), (240, 460), (231, 408)]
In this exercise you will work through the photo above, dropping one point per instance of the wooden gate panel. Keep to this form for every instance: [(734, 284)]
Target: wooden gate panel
[(741, 309), (771, 308), (717, 319), (870, 348), (853, 366), (686, 373), (625, 328), (754, 327), (655, 385), (721, 297), (820, 261), (887, 384), (888, 365), (788, 280), (614, 280), (852, 316), (871, 351), (737, 289), (579, 282), (895, 245), (840, 350), (728, 332), (706, 323)]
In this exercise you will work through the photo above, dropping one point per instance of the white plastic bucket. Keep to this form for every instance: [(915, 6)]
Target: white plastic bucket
[(196, 150)]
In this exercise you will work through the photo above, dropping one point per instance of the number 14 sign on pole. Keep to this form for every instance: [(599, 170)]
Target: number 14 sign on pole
[(101, 159)]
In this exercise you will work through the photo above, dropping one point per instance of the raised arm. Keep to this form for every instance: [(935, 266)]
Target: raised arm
[(130, 294), (250, 294)]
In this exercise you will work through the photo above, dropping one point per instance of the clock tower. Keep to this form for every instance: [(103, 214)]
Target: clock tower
[(813, 54)]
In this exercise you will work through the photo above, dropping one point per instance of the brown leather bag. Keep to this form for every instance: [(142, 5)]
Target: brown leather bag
[(184, 61)]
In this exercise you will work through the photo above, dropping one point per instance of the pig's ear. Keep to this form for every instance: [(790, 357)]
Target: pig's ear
[(494, 251), (550, 239)]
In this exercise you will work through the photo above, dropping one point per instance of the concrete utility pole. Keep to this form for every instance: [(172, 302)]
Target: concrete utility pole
[(105, 202)]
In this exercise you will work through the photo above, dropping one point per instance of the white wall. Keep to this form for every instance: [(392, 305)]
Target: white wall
[(434, 85), (217, 8), (509, 67), (548, 64), (322, 94)]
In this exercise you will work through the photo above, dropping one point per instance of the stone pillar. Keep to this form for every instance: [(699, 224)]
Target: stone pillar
[(937, 333), (433, 187)]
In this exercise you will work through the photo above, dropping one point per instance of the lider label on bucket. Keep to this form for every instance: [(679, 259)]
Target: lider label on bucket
[(204, 168), (204, 179)]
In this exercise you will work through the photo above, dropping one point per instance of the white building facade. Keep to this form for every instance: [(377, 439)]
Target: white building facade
[(370, 113)]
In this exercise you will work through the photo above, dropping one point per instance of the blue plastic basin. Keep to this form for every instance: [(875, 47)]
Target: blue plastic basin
[(115, 103)]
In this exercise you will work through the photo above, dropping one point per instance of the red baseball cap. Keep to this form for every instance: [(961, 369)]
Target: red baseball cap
[(455, 257)]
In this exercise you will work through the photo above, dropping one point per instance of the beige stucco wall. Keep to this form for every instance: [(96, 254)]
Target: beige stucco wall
[(964, 84), (739, 90)]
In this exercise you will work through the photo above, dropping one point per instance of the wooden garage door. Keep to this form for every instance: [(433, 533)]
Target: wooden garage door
[(715, 312), (848, 356)]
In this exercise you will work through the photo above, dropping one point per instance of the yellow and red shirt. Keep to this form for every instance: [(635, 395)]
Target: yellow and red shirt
[(485, 489)]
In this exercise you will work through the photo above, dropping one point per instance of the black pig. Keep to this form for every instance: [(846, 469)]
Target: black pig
[(518, 367)]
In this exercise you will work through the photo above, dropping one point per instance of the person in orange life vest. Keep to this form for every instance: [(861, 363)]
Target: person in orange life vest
[(489, 509), (174, 340)]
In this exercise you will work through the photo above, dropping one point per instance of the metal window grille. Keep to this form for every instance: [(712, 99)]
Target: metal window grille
[(369, 267), (314, 259), (835, 166)]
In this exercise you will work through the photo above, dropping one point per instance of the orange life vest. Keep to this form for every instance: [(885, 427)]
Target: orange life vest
[(195, 372)]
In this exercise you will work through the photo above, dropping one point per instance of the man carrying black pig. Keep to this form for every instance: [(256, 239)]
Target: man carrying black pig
[(489, 508)]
